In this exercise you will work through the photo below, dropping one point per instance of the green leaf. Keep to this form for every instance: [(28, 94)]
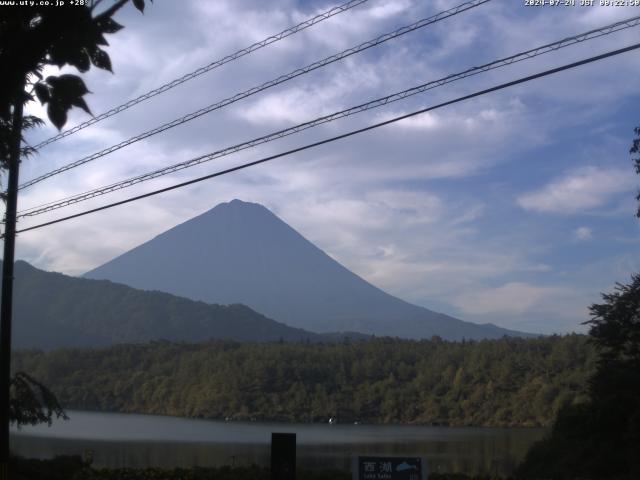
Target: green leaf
[(65, 91), (79, 102), (109, 25), (69, 86), (81, 61), (101, 59), (139, 4), (56, 56), (100, 40), (57, 114), (52, 80), (31, 121)]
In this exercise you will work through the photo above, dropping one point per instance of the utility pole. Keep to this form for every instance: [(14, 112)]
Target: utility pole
[(6, 302)]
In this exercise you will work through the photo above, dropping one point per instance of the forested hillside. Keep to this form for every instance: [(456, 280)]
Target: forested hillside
[(54, 310), (506, 382)]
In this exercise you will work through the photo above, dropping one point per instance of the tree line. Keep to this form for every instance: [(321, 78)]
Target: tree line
[(505, 382)]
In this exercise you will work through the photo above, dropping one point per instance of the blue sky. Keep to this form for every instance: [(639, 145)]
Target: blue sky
[(515, 208)]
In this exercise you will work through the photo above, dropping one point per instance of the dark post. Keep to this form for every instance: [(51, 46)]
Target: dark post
[(283, 456), (6, 303)]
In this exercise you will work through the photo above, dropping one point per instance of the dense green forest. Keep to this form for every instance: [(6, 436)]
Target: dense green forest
[(506, 382)]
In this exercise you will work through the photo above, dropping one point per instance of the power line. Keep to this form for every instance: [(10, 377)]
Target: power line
[(342, 136), (551, 47), (207, 68), (252, 91)]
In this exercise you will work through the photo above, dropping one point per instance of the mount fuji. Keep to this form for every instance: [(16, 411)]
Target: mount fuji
[(241, 252)]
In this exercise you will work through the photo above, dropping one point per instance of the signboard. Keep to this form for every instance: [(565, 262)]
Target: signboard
[(389, 468)]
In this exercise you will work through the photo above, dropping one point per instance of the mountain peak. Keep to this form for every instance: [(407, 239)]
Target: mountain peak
[(238, 204), (236, 208)]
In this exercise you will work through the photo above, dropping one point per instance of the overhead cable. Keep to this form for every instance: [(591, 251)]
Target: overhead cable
[(551, 47), (252, 91), (340, 137), (207, 68)]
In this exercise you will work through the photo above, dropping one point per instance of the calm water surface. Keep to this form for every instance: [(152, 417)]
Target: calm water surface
[(126, 440)]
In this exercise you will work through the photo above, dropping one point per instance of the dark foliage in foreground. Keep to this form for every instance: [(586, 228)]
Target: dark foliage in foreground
[(601, 438), (73, 468), (30, 402), (506, 382), (60, 468)]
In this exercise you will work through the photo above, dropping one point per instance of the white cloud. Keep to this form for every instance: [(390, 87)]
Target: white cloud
[(425, 121), (359, 24), (300, 103), (580, 190), (513, 298), (388, 8), (598, 15), (583, 233)]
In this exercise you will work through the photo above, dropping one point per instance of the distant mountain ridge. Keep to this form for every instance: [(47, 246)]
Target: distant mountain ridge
[(241, 252), (53, 310)]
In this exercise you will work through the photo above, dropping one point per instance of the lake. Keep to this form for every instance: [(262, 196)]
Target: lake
[(128, 440)]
